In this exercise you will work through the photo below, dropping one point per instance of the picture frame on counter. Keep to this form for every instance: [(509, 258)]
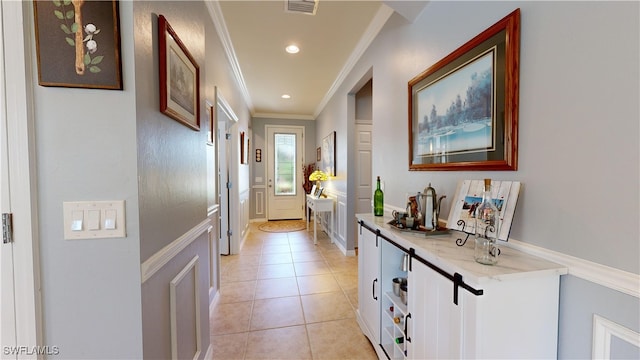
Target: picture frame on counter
[(469, 194), (463, 110)]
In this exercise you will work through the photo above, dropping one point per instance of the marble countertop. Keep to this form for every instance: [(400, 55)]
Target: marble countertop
[(442, 251)]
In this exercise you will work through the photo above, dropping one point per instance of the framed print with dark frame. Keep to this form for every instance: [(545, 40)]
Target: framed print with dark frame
[(318, 154), (329, 154), (463, 110), (211, 131), (78, 44), (242, 148), (179, 78)]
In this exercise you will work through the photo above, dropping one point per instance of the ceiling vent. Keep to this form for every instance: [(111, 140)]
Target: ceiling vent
[(301, 6)]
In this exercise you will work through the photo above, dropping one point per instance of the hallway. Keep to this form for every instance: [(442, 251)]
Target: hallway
[(285, 298)]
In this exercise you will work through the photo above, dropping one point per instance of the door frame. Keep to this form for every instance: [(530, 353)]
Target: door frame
[(227, 172), (17, 106), (270, 148)]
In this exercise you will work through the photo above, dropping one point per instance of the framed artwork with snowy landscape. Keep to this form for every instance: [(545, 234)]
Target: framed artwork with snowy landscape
[(463, 110), (78, 44)]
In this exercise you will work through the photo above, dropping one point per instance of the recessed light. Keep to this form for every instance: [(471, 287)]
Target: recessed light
[(286, 96), (292, 49)]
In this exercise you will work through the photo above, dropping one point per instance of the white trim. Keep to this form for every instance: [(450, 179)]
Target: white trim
[(213, 209), (603, 329), (18, 94), (162, 257), (259, 200), (283, 116), (612, 278), (209, 353), (376, 24), (221, 28), (173, 299)]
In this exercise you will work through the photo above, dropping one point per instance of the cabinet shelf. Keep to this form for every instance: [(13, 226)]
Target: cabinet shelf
[(397, 302)]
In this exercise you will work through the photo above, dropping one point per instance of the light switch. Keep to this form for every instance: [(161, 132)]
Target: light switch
[(110, 219), (93, 220), (76, 221)]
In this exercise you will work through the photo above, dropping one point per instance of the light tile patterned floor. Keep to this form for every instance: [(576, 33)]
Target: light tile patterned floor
[(285, 298)]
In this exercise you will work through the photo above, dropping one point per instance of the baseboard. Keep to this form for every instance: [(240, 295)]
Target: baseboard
[(343, 249), (209, 354)]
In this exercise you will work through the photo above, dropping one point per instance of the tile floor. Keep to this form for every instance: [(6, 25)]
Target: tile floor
[(283, 297)]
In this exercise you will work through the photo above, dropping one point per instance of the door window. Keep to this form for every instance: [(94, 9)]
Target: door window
[(285, 164)]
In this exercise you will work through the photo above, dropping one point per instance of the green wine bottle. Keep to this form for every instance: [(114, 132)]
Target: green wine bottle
[(378, 200)]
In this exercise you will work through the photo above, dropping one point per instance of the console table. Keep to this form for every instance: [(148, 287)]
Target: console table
[(319, 205)]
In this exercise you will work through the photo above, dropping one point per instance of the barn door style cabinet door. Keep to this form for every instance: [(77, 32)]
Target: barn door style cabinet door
[(455, 308)]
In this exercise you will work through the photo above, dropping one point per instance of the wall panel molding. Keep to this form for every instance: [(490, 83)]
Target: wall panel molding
[(341, 219), (259, 201), (604, 330), (162, 257), (174, 294)]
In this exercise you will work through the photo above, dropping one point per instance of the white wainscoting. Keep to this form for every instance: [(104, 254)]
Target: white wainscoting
[(184, 295), (259, 203), (243, 221), (604, 330), (339, 229), (162, 257)]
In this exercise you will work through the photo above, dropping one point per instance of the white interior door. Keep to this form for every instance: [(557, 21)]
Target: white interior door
[(19, 284), (364, 177), (7, 290), (285, 159), (226, 119)]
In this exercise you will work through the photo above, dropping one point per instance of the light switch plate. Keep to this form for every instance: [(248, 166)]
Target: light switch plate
[(95, 214)]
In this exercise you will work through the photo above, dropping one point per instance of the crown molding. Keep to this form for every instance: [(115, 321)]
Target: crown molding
[(221, 28), (283, 116), (376, 24)]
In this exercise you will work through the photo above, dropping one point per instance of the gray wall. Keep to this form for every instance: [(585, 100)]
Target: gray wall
[(578, 131), (86, 150), (112, 145), (171, 156), (171, 172)]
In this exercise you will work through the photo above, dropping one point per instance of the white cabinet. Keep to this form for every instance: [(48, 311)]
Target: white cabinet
[(456, 308), (369, 284), (435, 323)]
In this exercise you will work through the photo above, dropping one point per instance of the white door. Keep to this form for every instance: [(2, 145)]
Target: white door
[(19, 295), (226, 120), (7, 290), (285, 159), (364, 177)]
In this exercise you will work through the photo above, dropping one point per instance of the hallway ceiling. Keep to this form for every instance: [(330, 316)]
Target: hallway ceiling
[(330, 42)]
